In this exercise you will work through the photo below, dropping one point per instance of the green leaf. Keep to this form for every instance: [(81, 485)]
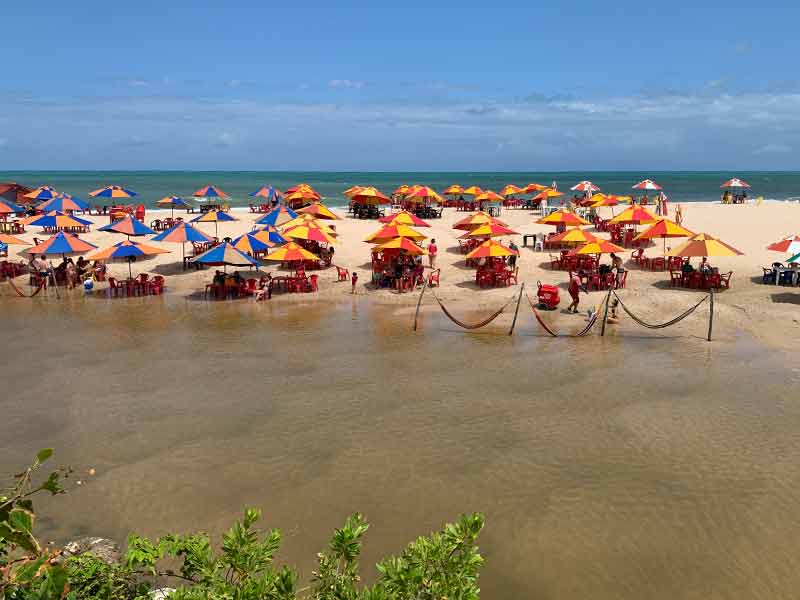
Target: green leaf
[(44, 454), (21, 520), (52, 484), (28, 570)]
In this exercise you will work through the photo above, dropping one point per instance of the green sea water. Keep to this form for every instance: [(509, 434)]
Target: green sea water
[(680, 186)]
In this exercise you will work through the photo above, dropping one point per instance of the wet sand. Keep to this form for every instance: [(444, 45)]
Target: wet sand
[(631, 466)]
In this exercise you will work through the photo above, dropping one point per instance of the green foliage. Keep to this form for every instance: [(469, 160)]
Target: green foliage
[(442, 566)]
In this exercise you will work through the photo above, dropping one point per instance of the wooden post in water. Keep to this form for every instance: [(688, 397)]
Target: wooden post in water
[(419, 302), (710, 311), (516, 310), (605, 314)]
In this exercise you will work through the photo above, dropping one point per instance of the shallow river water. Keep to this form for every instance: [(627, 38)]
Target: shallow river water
[(622, 467)]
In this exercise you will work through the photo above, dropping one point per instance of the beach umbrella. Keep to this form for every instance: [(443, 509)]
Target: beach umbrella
[(404, 218), (269, 236), (301, 196), (794, 259), (223, 255), (490, 249), (10, 240), (574, 235), (787, 245), (63, 203), (128, 251), (664, 228), (304, 219), (598, 246), (301, 187), (58, 219), (454, 190), (277, 216), (63, 244), (309, 231), (489, 196), (113, 191), (291, 252), (351, 191), (182, 233), (401, 190), (735, 183), (9, 208), (510, 190), (548, 193), (422, 193), (647, 184), (585, 186), (214, 216), (489, 230), (634, 215), (562, 217), (173, 202), (128, 225), (473, 190), (476, 219), (369, 195), (209, 191), (703, 244), (533, 188), (319, 211), (250, 243), (389, 232), (43, 192), (600, 200), (267, 191), (403, 244)]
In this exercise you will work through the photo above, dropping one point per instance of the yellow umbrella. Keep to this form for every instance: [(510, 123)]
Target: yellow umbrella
[(474, 220), (473, 190), (370, 195), (291, 252), (704, 244), (548, 193), (511, 189), (489, 230), (490, 249), (454, 190), (664, 229), (403, 244), (306, 219), (598, 247), (389, 232), (635, 215), (562, 216), (308, 232), (575, 235), (489, 196), (351, 191), (319, 211)]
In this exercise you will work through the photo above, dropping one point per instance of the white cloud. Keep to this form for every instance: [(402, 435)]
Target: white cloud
[(346, 83)]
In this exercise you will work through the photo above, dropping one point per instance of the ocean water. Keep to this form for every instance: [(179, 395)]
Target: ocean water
[(680, 186)]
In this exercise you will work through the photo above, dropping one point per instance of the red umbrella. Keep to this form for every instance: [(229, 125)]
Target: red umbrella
[(647, 184)]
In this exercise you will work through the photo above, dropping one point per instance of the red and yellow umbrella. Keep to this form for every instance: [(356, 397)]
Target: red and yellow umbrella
[(303, 187), (291, 252), (510, 190), (454, 190), (489, 196), (389, 232), (533, 187), (703, 244), (351, 191), (370, 195), (311, 220), (473, 190), (475, 220), (422, 193), (402, 190), (548, 193), (404, 218), (490, 249), (598, 246), (635, 215), (562, 217), (403, 244), (575, 235), (489, 230), (318, 210), (309, 232)]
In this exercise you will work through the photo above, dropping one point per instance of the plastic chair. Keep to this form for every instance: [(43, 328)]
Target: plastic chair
[(342, 274), (433, 278), (313, 283)]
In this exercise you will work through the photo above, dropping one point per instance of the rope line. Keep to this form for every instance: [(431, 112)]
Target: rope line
[(22, 294), (478, 325), (669, 323), (582, 333)]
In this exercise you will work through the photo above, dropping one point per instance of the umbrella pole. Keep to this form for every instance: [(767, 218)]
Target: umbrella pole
[(130, 268)]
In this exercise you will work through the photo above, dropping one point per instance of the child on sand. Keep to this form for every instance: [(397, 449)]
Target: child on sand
[(678, 214), (353, 282), (574, 290)]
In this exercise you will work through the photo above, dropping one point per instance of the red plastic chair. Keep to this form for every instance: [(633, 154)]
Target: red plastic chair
[(314, 283), (725, 280), (433, 278), (156, 286), (342, 274), (676, 278), (114, 287)]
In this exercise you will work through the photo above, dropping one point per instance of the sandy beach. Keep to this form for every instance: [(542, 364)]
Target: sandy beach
[(768, 313)]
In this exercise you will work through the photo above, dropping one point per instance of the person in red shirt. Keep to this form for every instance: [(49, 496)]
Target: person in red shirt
[(354, 282), (432, 250), (574, 289)]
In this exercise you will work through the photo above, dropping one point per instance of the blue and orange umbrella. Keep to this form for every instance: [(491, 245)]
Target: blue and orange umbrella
[(210, 191), (129, 226), (113, 191), (9, 208), (173, 202), (270, 236), (63, 203), (63, 244), (250, 244), (277, 216), (180, 234), (128, 251), (225, 254), (214, 216), (58, 219), (267, 191), (43, 192)]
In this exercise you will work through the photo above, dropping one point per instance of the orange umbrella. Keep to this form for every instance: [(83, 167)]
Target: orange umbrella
[(302, 187), (489, 230), (11, 240), (310, 220), (474, 220), (510, 190), (291, 252), (454, 190), (370, 195), (533, 187), (422, 193), (489, 249), (473, 190), (319, 211), (562, 217), (598, 246), (301, 196), (308, 232), (635, 215), (349, 192), (704, 244), (389, 232), (402, 190), (489, 196), (576, 235), (664, 229), (403, 244), (548, 193), (404, 218)]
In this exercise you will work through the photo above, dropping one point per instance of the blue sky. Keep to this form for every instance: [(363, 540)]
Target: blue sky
[(400, 86)]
